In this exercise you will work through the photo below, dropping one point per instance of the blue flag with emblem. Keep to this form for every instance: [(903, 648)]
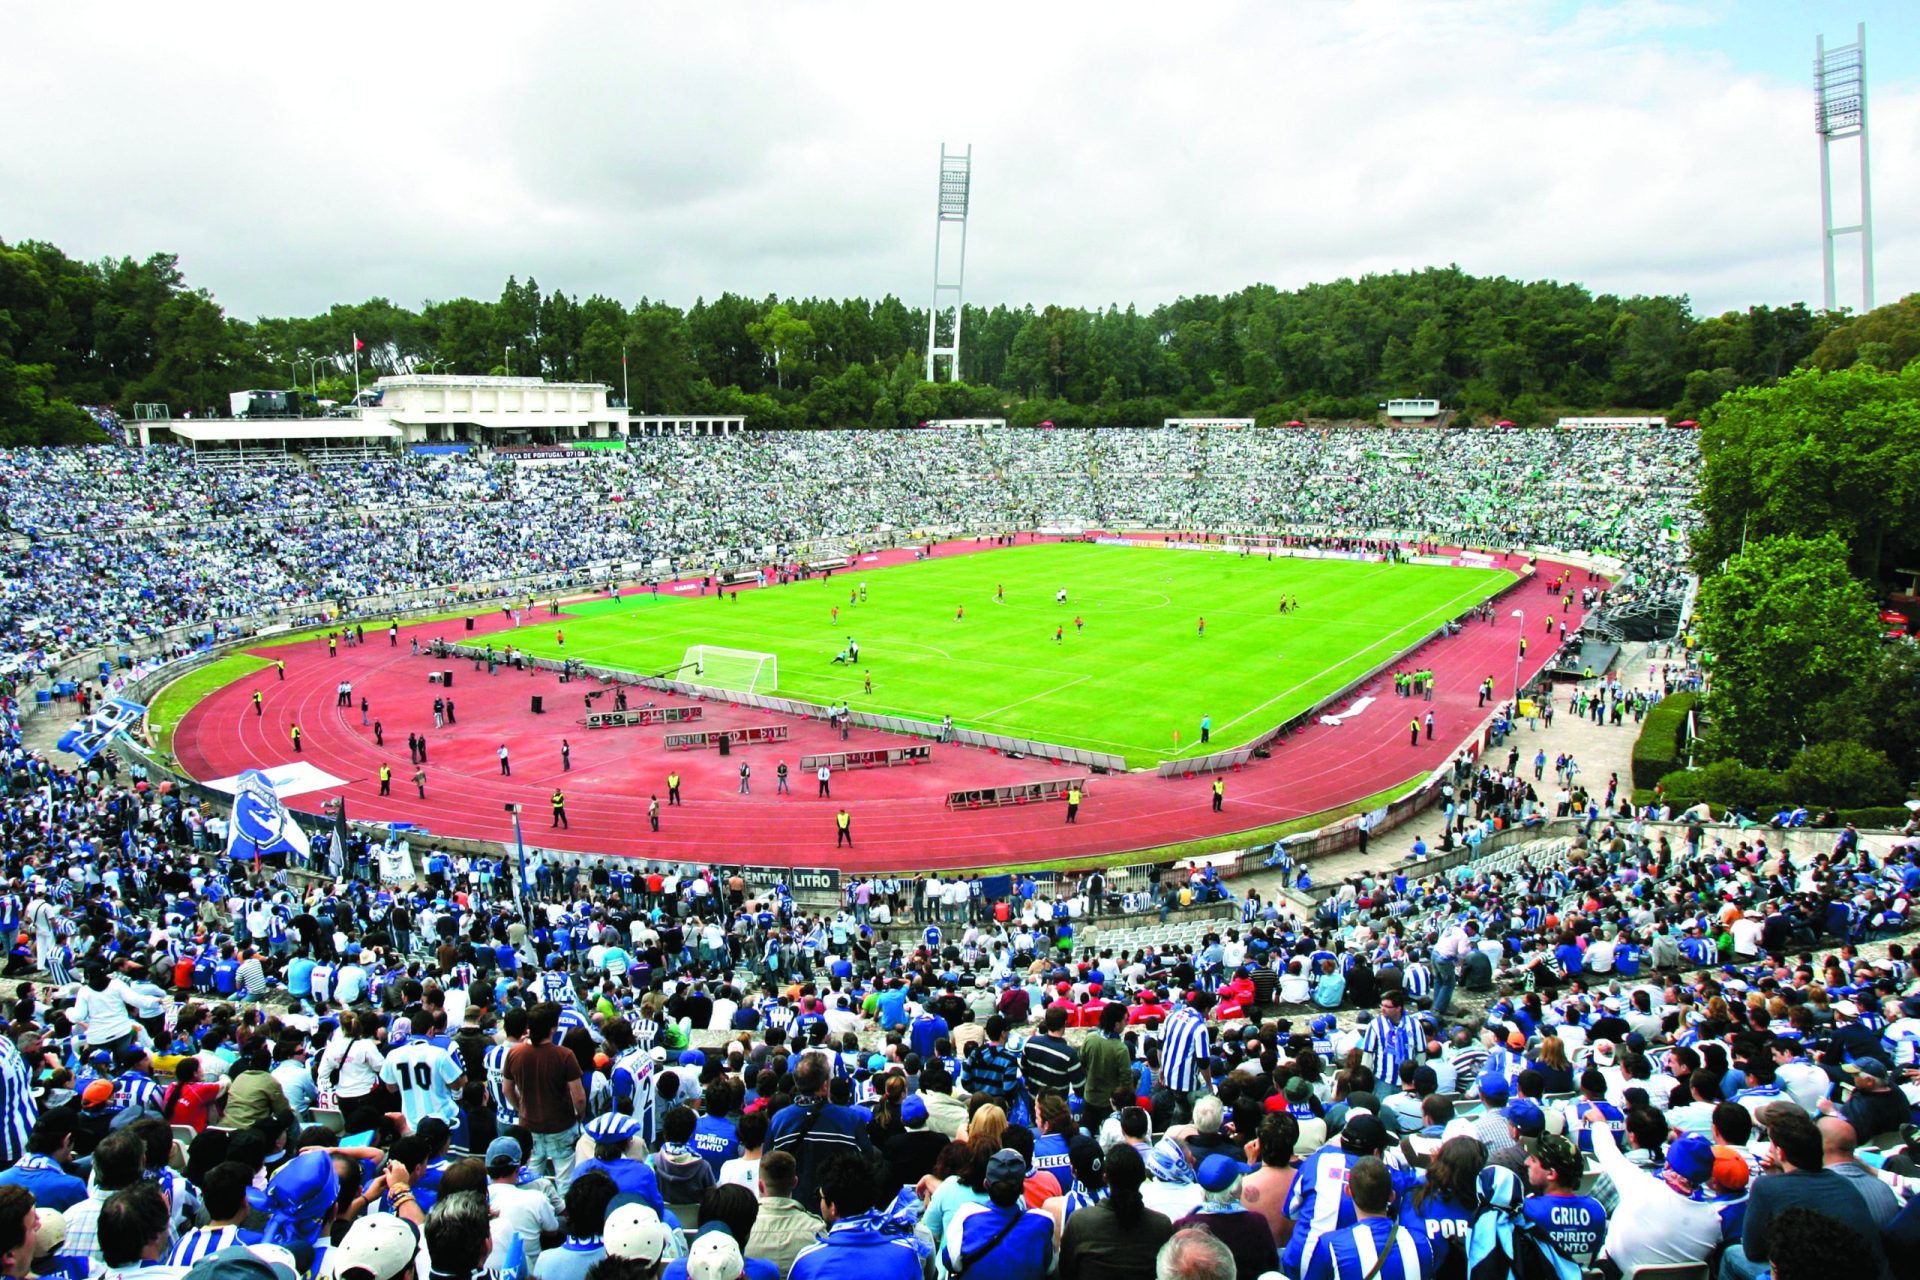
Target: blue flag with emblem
[(90, 738), (261, 826)]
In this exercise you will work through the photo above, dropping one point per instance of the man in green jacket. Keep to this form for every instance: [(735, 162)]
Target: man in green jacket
[(254, 1094), (1109, 1066)]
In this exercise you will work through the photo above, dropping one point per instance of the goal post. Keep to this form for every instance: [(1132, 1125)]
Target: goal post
[(734, 670)]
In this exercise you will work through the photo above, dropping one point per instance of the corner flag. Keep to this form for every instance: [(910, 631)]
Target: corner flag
[(261, 826)]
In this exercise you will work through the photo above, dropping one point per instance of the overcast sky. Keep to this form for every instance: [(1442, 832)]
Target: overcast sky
[(1122, 152)]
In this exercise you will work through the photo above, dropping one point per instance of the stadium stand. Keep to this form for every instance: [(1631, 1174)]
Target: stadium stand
[(1576, 1039), (175, 552)]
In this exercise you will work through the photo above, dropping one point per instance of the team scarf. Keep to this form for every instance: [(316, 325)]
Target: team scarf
[(1498, 1224)]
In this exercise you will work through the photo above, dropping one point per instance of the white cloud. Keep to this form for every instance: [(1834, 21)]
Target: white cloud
[(1123, 152)]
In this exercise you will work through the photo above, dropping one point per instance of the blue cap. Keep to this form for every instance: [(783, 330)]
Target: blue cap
[(876, 1063), (1494, 1085), (692, 1058), (1691, 1157), (914, 1109), (1218, 1172), (1525, 1115)]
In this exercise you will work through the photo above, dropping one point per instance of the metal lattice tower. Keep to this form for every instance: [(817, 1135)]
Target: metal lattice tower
[(1840, 114), (949, 262)]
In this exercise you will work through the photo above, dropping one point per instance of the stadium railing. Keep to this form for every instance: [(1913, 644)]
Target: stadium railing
[(1436, 863), (1233, 759)]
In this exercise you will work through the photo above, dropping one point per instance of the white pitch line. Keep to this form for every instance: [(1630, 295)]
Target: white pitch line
[(1044, 693), (1417, 622)]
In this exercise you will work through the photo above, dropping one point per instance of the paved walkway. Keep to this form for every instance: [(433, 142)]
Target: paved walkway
[(1598, 749)]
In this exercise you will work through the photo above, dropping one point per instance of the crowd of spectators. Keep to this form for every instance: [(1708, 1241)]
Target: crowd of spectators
[(1626, 1049), (117, 547)]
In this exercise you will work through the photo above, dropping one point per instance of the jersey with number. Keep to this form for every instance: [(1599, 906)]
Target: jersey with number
[(495, 1061), (424, 1074)]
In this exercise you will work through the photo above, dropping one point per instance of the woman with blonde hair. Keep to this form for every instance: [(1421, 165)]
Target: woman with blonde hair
[(986, 1127), (1556, 1072), (969, 1184)]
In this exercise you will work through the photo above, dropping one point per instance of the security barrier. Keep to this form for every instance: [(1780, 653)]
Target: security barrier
[(642, 716), (885, 758), (1021, 793), (734, 737)]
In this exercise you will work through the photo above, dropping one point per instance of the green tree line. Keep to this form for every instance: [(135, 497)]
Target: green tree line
[(1807, 500), (120, 331)]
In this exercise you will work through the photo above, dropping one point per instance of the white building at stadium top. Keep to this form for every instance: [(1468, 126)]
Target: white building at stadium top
[(434, 409), (440, 408)]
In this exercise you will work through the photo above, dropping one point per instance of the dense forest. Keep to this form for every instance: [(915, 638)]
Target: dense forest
[(1806, 505), (116, 332)]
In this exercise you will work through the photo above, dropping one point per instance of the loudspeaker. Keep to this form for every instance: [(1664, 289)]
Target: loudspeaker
[(537, 709), (469, 624), (446, 678)]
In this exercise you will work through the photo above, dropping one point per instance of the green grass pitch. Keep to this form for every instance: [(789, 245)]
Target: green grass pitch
[(1138, 672)]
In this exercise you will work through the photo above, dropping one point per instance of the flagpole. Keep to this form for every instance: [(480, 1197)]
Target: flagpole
[(520, 865), (625, 398), (356, 368)]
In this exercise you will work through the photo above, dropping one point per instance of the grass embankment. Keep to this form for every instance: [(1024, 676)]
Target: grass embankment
[(166, 711)]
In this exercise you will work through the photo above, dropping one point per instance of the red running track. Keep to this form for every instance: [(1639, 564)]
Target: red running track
[(900, 820)]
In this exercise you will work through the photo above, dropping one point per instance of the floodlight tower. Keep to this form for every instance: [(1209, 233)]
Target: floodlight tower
[(949, 264), (1839, 114)]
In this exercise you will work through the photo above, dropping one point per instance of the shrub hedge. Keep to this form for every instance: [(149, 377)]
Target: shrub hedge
[(1662, 741), (1858, 782)]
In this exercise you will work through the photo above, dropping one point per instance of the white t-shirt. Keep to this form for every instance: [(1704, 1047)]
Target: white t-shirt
[(518, 1211), (105, 1012), (349, 983), (741, 1171), (360, 1068), (424, 1073)]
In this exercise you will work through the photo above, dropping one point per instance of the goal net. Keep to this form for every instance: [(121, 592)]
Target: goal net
[(734, 670)]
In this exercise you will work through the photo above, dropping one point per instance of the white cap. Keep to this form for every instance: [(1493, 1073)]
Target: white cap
[(635, 1231), (714, 1256), (52, 1233), (381, 1244)]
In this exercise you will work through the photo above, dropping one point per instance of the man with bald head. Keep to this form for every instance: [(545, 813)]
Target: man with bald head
[(1837, 1143)]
